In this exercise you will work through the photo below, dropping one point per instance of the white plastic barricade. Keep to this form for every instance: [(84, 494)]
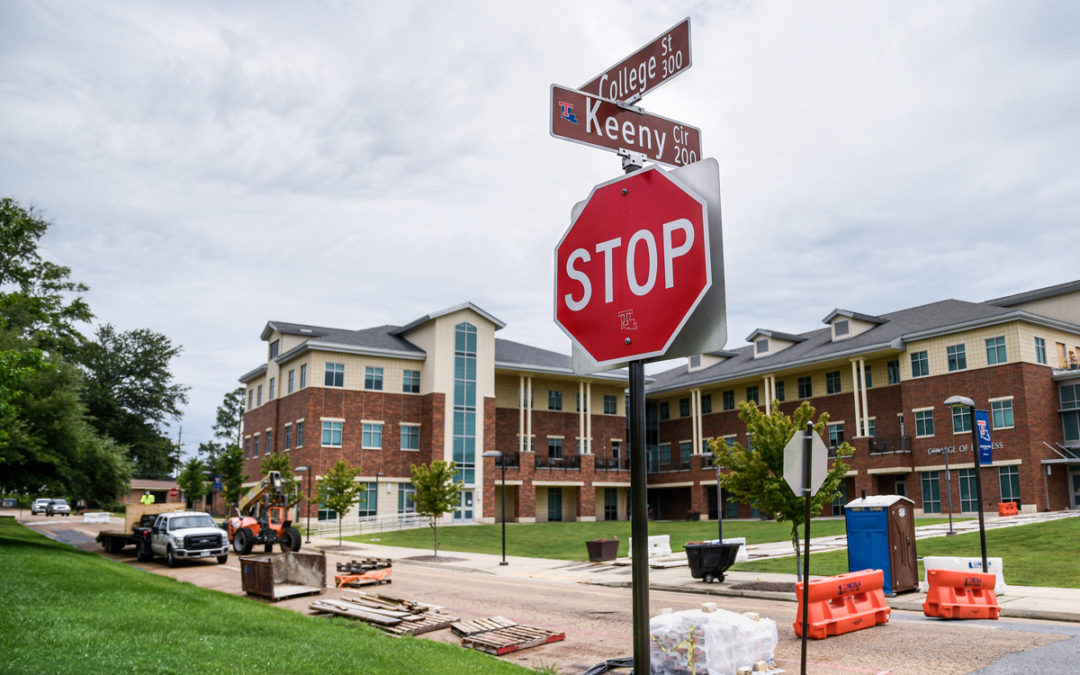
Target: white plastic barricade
[(658, 545), (942, 562), (88, 517)]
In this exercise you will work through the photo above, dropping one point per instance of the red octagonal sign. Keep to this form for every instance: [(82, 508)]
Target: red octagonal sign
[(632, 267)]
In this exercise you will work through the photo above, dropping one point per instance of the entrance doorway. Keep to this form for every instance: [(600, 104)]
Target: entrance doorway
[(1074, 487)]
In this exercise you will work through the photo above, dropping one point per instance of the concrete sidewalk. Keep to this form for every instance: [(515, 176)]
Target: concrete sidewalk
[(1029, 602)]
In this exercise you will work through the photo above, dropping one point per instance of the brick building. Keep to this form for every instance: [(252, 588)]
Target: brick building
[(883, 380), (444, 387)]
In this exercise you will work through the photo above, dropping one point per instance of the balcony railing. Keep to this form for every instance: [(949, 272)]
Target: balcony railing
[(571, 462), (668, 467), (890, 444), (512, 459), (612, 463)]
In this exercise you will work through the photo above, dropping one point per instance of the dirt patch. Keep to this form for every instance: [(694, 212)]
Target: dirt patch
[(774, 586), (433, 558), (340, 549)]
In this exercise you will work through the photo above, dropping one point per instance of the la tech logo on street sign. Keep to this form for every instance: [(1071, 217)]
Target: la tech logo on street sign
[(632, 267)]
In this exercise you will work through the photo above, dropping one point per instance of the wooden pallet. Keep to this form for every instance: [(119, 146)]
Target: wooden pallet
[(508, 639), (365, 565), (394, 616), (477, 626)]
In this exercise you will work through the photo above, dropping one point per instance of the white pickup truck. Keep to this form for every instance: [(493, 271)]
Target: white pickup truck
[(183, 535)]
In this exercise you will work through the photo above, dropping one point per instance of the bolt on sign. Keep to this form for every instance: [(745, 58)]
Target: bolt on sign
[(647, 68)]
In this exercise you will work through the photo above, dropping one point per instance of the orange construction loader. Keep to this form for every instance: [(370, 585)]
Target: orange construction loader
[(263, 517)]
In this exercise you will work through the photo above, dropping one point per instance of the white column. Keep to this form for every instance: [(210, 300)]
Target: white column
[(528, 411), (768, 394), (695, 447), (855, 394), (865, 407), (581, 418), (523, 400), (588, 418)]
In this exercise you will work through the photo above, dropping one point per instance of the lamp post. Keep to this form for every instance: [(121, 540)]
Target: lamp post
[(378, 474), (502, 462), (965, 402), (308, 471), (719, 499), (948, 489)]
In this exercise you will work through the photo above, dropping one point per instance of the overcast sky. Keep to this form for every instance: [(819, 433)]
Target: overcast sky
[(210, 166)]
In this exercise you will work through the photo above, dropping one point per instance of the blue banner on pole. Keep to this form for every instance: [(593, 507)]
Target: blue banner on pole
[(217, 483), (986, 448)]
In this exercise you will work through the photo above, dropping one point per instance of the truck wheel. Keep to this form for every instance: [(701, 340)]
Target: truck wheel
[(243, 540), (222, 559), (290, 539), (170, 558)]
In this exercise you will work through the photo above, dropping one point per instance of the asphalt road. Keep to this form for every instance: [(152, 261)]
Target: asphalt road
[(597, 620)]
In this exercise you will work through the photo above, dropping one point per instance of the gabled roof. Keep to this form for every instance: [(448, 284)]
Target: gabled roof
[(774, 334), (853, 315), (450, 310), (1038, 294), (517, 356), (301, 329)]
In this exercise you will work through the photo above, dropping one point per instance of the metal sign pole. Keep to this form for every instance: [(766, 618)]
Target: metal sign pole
[(808, 437), (639, 525)]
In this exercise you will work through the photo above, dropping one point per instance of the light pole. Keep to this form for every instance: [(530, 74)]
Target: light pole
[(308, 471), (965, 402), (948, 488), (377, 475), (719, 499), (502, 462)]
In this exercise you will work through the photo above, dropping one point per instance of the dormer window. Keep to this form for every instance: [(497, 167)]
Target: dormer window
[(274, 347), (841, 328), (761, 346), (695, 361)]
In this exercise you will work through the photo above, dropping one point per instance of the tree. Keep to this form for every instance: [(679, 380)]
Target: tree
[(436, 492), (230, 466), (230, 418), (338, 490), (192, 481), (131, 394), (756, 477)]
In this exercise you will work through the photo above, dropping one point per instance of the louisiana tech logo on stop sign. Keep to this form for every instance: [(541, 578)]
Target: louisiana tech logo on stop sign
[(632, 267)]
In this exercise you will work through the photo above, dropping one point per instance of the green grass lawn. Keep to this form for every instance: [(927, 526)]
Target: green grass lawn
[(566, 541), (65, 611), (1040, 554)]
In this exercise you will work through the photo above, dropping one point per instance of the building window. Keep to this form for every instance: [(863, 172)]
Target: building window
[(610, 405), (464, 440), (752, 394), (299, 434), (274, 347), (273, 380), (1002, 412), (665, 410), (871, 427), (1070, 411), (406, 498), (684, 407), (957, 357), (555, 448), (371, 437), (291, 378), (288, 436), (269, 443), (868, 381), (665, 454), (841, 327), (1040, 351), (410, 437), (836, 434), (554, 504), (1010, 483), (577, 403), (695, 361), (251, 399), (924, 423), (780, 391), (762, 346), (554, 400), (255, 446), (410, 381), (995, 351), (968, 501), (920, 364), (372, 378), (258, 395), (728, 400), (367, 502), (331, 434), (303, 375), (335, 375), (832, 382), (247, 447), (326, 513), (894, 372), (961, 420), (931, 492), (806, 387), (706, 404), (611, 503)]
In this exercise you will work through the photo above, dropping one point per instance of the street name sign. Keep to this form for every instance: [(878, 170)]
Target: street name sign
[(585, 118), (647, 68), (632, 267), (794, 467)]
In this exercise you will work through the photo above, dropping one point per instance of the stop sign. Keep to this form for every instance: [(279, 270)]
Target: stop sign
[(173, 492), (632, 267)]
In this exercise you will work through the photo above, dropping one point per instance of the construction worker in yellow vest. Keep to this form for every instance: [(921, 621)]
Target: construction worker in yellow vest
[(147, 498)]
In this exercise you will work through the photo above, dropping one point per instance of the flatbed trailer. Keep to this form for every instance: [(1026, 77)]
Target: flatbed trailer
[(137, 520)]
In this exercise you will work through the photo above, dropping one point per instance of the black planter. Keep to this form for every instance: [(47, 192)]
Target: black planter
[(710, 561), (602, 550)]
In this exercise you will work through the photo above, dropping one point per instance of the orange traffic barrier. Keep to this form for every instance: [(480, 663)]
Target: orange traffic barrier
[(372, 576), (842, 604), (1008, 509), (961, 595)]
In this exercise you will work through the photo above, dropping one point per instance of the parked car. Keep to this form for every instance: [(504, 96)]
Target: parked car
[(57, 507), (39, 506)]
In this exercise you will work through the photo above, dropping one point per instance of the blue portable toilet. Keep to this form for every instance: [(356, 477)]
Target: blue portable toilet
[(881, 536)]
